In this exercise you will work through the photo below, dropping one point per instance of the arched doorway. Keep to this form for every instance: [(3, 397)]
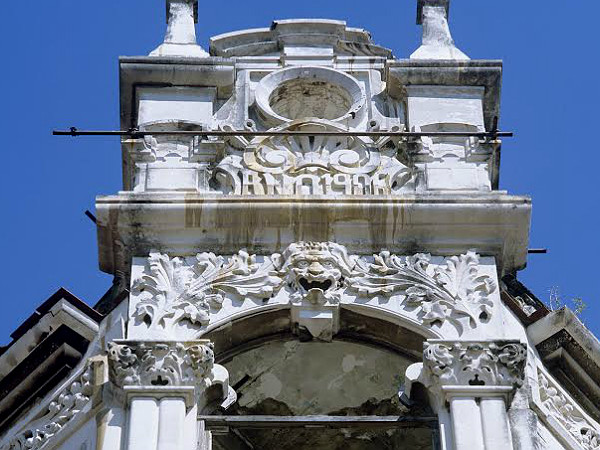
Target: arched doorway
[(295, 392)]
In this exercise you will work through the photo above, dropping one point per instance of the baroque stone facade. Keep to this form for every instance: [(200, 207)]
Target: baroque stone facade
[(310, 237), (173, 293)]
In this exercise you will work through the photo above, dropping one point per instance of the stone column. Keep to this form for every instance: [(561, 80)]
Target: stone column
[(164, 384), (475, 381)]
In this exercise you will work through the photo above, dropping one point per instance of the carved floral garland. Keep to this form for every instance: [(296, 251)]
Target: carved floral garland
[(60, 412), (567, 414), (172, 291)]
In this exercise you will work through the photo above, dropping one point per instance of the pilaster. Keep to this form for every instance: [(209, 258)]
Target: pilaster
[(164, 383), (475, 381)]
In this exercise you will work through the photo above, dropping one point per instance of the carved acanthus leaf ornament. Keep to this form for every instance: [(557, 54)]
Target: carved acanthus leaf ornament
[(568, 414), (172, 291), (61, 410), (446, 293), (485, 363), (140, 363)]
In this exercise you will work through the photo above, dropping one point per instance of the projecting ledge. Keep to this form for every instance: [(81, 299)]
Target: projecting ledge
[(485, 73), (493, 224), (572, 354), (173, 71)]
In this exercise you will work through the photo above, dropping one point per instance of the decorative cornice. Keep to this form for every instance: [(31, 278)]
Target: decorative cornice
[(474, 363), (63, 408), (160, 364)]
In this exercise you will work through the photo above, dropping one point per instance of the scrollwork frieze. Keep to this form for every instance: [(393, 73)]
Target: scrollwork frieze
[(313, 165), (187, 292), (567, 414), (61, 410)]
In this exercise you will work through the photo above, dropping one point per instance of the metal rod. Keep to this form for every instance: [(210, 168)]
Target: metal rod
[(246, 133), (254, 422), (537, 251), (91, 216)]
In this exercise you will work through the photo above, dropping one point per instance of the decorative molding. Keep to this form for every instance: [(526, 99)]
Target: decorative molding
[(446, 293), (567, 414), (315, 271), (482, 363), (172, 291), (145, 363), (178, 292), (313, 165), (60, 412)]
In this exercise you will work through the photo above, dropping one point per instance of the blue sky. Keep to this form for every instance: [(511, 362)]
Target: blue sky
[(60, 69)]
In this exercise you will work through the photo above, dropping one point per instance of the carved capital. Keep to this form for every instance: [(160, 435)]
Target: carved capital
[(145, 363), (474, 363)]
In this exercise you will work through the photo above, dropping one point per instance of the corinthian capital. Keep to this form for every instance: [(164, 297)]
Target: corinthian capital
[(145, 363), (474, 363)]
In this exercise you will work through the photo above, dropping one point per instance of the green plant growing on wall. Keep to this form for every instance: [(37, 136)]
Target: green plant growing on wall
[(557, 301)]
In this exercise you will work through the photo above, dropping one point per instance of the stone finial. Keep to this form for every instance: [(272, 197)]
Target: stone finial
[(437, 39), (180, 38)]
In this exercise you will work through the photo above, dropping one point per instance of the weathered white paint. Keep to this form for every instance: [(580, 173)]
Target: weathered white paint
[(437, 40), (180, 37), (210, 231)]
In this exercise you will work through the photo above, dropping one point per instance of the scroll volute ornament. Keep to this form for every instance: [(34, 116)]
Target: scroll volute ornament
[(568, 414), (68, 404)]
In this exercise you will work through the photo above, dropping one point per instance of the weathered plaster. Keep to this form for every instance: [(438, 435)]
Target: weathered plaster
[(322, 269)]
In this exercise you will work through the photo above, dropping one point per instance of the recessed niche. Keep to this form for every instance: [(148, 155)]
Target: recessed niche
[(300, 93), (300, 98)]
